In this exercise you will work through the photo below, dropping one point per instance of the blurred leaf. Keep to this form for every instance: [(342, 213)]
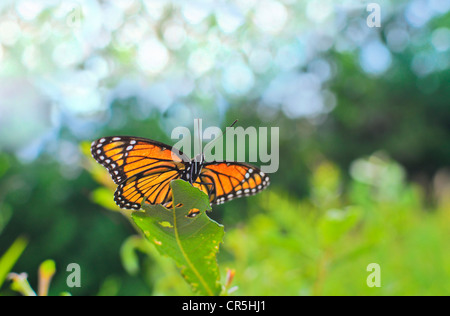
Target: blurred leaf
[(228, 289), (98, 172), (8, 260), (104, 197), (4, 164), (191, 241), (5, 215), (47, 270), (85, 148), (110, 287), (335, 223), (326, 177), (381, 172), (20, 284), (130, 260), (325, 185)]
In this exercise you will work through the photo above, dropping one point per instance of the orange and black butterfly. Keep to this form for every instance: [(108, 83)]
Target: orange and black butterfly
[(143, 169)]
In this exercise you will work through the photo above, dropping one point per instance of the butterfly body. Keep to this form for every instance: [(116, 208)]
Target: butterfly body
[(143, 169), (193, 169)]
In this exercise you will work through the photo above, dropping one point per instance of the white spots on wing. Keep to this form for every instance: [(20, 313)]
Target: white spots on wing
[(239, 192), (247, 175), (108, 160), (266, 181), (99, 151), (102, 157), (129, 148), (250, 170), (113, 165), (116, 138), (102, 140), (132, 142), (246, 190), (116, 172), (230, 196)]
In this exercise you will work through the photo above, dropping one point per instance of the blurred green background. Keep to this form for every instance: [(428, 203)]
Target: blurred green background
[(364, 118)]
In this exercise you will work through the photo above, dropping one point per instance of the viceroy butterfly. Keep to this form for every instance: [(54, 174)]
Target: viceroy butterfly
[(143, 169)]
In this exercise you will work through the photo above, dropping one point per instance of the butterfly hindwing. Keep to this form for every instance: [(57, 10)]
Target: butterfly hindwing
[(151, 187), (224, 181)]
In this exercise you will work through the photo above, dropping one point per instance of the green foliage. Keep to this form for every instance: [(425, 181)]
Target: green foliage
[(192, 241), (130, 260), (321, 245), (336, 223), (19, 283), (102, 196), (11, 256), (302, 247), (46, 271)]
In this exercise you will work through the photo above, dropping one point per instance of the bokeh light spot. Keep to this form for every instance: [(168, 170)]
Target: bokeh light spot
[(375, 58), (270, 16), (238, 79), (152, 56)]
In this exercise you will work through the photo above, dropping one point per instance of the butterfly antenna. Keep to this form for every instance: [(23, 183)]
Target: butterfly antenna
[(235, 121), (199, 137)]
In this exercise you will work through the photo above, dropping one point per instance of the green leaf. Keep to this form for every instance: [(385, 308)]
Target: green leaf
[(10, 257), (102, 196), (192, 242), (128, 256), (335, 223)]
